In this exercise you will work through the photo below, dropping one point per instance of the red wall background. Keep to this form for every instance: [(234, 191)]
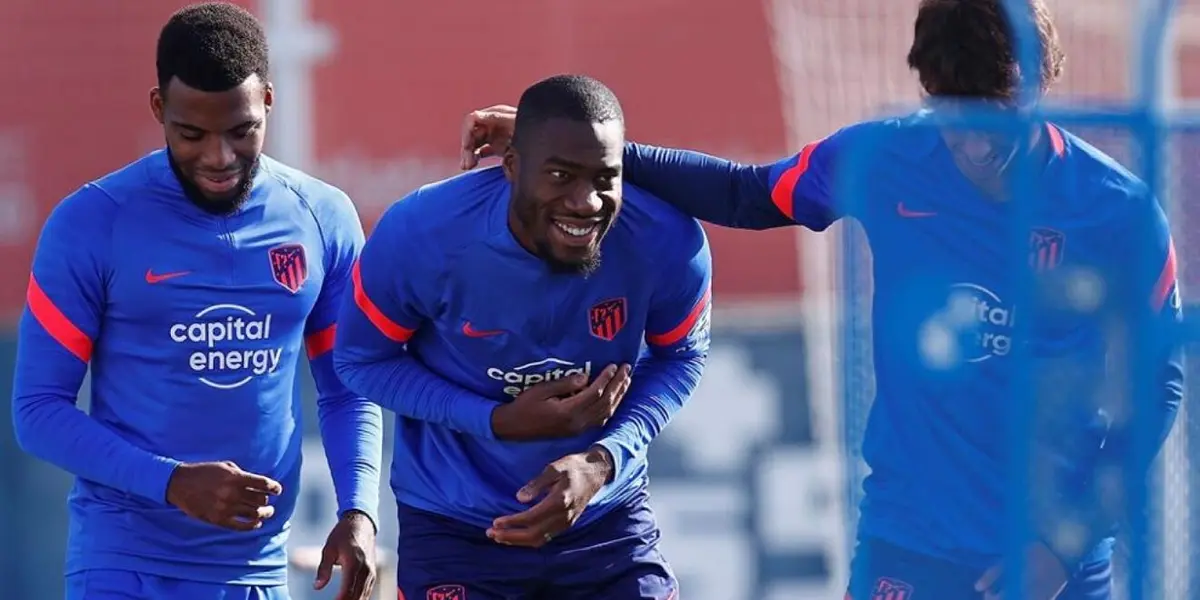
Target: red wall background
[(390, 95)]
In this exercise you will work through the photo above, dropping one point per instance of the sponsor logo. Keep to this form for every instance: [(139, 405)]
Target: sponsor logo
[(519, 379), (231, 344), (975, 325), (983, 317)]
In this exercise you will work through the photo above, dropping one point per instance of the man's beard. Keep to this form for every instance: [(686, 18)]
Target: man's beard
[(222, 206), (586, 267)]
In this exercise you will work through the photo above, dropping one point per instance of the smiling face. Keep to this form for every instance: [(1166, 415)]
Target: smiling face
[(984, 156), (214, 139), (566, 177)]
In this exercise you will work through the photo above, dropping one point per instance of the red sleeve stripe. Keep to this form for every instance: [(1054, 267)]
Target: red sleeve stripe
[(56, 323), (784, 192), (389, 328), (320, 342), (683, 329), (1057, 143), (1166, 279)]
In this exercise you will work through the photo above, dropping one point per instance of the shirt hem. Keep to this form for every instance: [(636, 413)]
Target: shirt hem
[(266, 576)]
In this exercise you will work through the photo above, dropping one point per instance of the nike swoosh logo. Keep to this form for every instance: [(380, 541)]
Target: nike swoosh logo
[(475, 333), (153, 278), (912, 214)]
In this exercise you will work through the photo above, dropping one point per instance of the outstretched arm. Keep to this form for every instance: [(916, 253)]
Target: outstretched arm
[(791, 191), (794, 190)]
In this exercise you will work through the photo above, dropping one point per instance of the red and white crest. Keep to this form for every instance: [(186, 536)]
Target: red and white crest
[(887, 588), (607, 318), (1046, 248), (289, 266), (447, 592)]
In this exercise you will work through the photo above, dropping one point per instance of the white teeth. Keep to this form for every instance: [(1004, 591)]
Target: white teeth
[(575, 231)]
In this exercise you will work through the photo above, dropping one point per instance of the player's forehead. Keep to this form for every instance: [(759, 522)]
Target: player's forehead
[(596, 144), (967, 105), (215, 111), (980, 115)]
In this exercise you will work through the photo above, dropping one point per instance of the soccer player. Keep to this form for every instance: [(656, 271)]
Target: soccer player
[(933, 201), (497, 314), (191, 281)]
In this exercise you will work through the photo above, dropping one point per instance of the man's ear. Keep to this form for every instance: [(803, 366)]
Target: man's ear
[(269, 96), (156, 105), (511, 162)]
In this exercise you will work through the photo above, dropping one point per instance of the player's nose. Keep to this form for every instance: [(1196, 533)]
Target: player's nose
[(585, 202), (218, 155)]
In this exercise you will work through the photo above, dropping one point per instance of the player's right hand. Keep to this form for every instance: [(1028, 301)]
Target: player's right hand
[(487, 132), (222, 494), (562, 408)]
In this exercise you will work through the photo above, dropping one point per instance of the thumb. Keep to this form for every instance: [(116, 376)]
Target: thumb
[(539, 484), (988, 579), (329, 557), (474, 134)]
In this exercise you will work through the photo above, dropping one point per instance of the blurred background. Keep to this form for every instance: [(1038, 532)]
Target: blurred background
[(754, 481)]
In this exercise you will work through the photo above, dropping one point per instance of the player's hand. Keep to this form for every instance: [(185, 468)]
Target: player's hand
[(351, 546), (568, 483), (487, 132), (222, 494), (1044, 573), (562, 408)]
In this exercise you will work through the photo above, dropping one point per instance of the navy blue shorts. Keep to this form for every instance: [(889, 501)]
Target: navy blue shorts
[(106, 584), (613, 558), (881, 571)]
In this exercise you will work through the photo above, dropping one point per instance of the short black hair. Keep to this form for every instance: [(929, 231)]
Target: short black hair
[(967, 48), (572, 97), (212, 47)]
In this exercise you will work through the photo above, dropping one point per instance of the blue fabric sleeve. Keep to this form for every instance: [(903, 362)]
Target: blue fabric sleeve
[(677, 337), (351, 426), (1148, 369), (1154, 313), (395, 289), (62, 320), (795, 190)]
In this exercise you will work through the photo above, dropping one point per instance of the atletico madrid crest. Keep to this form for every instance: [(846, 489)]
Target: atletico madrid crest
[(887, 588), (289, 266), (606, 318), (447, 592), (1046, 248)]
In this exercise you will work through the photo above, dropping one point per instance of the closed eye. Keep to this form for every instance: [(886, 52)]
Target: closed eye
[(246, 130)]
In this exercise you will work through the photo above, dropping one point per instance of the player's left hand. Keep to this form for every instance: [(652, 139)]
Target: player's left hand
[(1044, 573), (569, 483), (351, 545), (486, 133)]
